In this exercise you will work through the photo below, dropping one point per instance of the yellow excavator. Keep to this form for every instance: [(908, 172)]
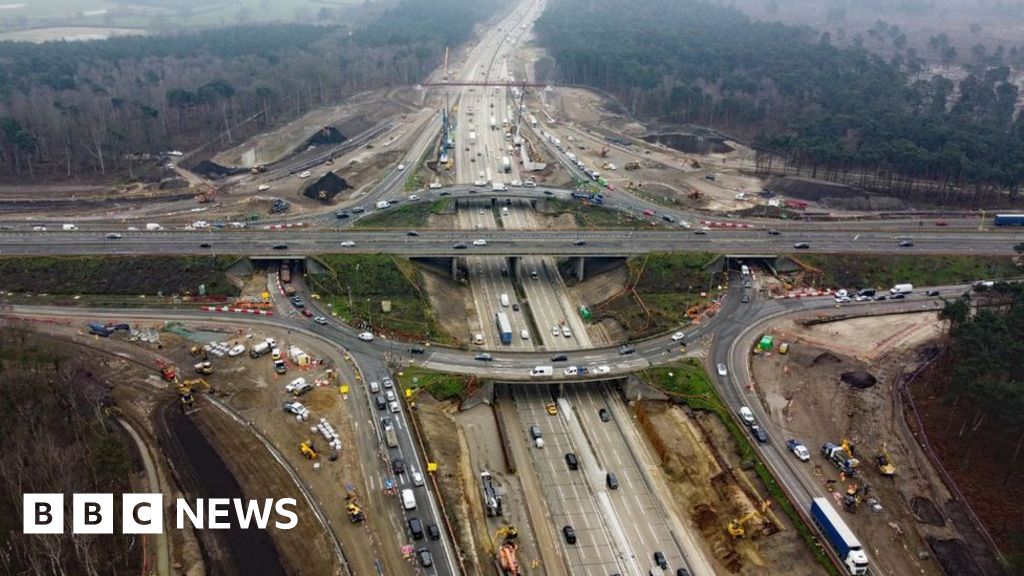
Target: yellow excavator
[(185, 393), (508, 550), (735, 526), (306, 447), (355, 512), (885, 465)]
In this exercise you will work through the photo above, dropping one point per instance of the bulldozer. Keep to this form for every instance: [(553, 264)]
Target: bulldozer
[(307, 449), (205, 368), (884, 461)]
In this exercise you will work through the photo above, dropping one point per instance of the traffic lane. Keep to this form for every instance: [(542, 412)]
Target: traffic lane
[(644, 514), (569, 498), (499, 243)]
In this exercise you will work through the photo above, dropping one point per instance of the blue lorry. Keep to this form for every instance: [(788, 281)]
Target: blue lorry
[(1009, 220), (840, 536), (504, 327)]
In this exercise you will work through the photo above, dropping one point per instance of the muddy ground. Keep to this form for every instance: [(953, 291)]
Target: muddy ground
[(710, 488), (804, 395)]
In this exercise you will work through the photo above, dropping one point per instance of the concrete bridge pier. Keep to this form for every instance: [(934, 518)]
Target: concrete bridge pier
[(515, 266), (578, 268)]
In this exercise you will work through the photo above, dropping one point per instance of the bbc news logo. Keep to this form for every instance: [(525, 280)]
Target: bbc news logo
[(43, 513)]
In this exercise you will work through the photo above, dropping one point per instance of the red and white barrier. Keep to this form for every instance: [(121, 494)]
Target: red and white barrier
[(716, 224), (230, 309), (283, 226)]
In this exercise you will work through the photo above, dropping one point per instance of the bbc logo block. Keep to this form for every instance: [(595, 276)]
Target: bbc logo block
[(43, 513)]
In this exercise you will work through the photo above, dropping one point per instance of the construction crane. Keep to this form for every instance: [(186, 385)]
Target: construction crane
[(306, 447), (735, 526), (885, 465)]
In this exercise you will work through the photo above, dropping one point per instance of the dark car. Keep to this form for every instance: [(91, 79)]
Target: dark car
[(759, 433), (204, 245), (906, 243), (358, 210), (897, 296), (604, 415), (516, 307), (612, 481), (580, 243), (461, 246), (424, 557), (412, 233), (770, 233), (571, 461), (504, 272), (444, 193), (668, 218), (381, 402), (559, 358), (484, 357), (341, 215), (881, 297), (570, 534), (932, 293), (416, 528), (307, 313), (398, 466), (745, 299), (417, 350), (433, 532), (682, 572), (801, 245), (549, 193), (626, 350), (280, 246), (700, 232), (659, 559)]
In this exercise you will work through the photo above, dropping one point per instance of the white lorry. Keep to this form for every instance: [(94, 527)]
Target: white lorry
[(537, 371), (153, 226), (504, 300)]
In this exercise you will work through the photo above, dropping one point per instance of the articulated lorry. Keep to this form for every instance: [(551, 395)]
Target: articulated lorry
[(839, 536), (390, 437)]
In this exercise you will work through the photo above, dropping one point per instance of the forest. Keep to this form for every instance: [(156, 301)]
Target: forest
[(802, 101), (91, 109)]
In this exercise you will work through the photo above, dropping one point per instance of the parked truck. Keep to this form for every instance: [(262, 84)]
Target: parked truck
[(492, 500), (842, 459), (259, 349), (840, 536), (506, 164)]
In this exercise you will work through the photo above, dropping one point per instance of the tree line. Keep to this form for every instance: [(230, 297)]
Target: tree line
[(805, 103), (72, 109)]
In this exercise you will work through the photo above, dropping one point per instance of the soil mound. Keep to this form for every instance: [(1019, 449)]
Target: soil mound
[(926, 512), (210, 169), (326, 188)]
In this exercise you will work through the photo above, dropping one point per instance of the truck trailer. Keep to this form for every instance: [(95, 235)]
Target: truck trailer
[(390, 437), (1009, 220), (506, 164), (504, 327), (840, 536)]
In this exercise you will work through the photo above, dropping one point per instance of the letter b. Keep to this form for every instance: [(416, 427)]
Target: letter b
[(92, 514), (43, 513)]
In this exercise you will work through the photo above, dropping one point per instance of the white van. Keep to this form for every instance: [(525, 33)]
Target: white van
[(69, 227), (902, 289), (374, 386), (504, 300), (524, 334), (744, 270), (542, 371), (408, 499)]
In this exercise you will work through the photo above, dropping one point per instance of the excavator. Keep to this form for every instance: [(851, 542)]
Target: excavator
[(508, 551), (306, 447), (735, 526), (355, 512), (885, 465), (168, 372), (188, 400)]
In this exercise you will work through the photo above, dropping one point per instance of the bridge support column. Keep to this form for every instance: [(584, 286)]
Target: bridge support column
[(455, 269), (515, 266), (579, 268)]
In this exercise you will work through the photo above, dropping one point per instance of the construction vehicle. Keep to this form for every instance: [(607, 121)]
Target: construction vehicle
[(604, 151), (188, 400), (198, 351), (206, 196), (632, 166), (492, 500), (168, 372), (205, 368), (307, 449), (842, 457), (735, 526), (884, 461), (352, 507), (508, 551), (258, 169)]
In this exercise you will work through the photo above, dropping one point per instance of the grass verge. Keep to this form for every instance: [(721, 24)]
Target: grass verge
[(411, 215), (863, 270), (688, 382), (355, 285), (118, 275), (591, 216), (440, 385)]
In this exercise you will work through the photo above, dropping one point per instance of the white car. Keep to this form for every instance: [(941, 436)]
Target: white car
[(524, 334), (413, 198), (366, 336), (348, 244), (602, 369), (395, 407), (39, 228), (320, 320), (554, 330), (417, 479), (746, 415), (263, 187), (566, 332), (200, 224), (401, 166), (571, 371), (479, 183), (842, 299), (480, 242), (678, 336), (722, 370), (237, 350), (305, 174)]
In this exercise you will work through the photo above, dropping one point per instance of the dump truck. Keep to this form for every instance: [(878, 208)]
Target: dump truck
[(841, 458), (839, 536)]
